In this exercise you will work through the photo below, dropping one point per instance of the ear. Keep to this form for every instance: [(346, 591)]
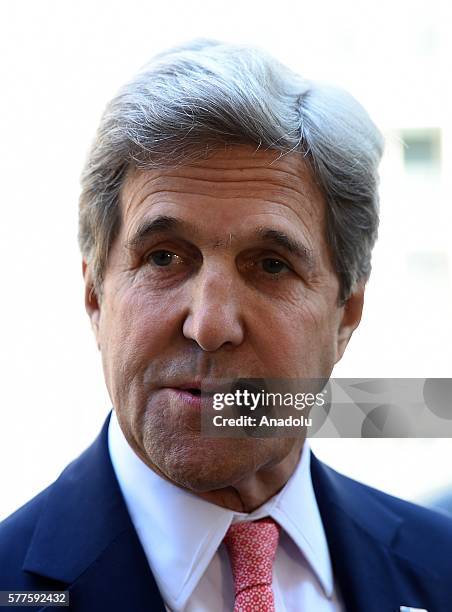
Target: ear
[(351, 316), (92, 302)]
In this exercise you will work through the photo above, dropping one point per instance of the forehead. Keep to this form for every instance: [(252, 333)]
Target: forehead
[(237, 182)]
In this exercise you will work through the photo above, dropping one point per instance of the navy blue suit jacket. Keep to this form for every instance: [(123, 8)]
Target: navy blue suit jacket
[(77, 535)]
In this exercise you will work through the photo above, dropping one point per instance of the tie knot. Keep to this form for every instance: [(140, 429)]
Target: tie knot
[(252, 547)]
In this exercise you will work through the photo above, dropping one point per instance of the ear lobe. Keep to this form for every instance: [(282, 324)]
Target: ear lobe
[(92, 303), (351, 316)]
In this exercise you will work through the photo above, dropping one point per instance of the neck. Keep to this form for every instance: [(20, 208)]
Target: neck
[(253, 491)]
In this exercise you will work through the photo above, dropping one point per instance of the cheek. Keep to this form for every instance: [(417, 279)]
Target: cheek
[(298, 339), (134, 331), (320, 337)]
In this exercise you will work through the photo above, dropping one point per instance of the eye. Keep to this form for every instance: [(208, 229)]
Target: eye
[(162, 258), (273, 266)]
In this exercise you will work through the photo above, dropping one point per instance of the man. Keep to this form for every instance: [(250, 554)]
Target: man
[(227, 217)]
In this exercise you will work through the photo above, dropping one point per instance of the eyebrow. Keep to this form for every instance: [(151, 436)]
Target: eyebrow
[(150, 227), (163, 223), (288, 243)]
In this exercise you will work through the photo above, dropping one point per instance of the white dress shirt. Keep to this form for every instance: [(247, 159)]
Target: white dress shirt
[(182, 535)]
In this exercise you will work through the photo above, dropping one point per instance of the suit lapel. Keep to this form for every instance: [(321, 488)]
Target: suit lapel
[(84, 537), (362, 532)]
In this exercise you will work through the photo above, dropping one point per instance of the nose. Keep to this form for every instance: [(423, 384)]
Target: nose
[(214, 318)]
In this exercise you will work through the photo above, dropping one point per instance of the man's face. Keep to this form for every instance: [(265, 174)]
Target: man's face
[(221, 269)]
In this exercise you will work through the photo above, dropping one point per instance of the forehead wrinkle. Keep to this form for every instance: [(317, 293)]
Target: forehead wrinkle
[(301, 200), (297, 184), (300, 181), (307, 205), (194, 231)]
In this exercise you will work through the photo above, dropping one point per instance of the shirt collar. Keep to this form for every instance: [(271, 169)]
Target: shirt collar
[(180, 532)]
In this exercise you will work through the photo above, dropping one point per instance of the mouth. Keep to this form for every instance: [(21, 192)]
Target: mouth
[(192, 390), (186, 396), (191, 386)]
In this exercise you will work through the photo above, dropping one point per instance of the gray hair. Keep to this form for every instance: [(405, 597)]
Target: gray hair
[(194, 98)]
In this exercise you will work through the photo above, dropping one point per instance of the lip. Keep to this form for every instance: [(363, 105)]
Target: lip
[(206, 387), (180, 395), (193, 384)]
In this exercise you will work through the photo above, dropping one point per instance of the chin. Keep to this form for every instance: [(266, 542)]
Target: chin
[(208, 469)]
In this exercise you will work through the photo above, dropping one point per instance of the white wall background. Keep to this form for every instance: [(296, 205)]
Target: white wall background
[(60, 63)]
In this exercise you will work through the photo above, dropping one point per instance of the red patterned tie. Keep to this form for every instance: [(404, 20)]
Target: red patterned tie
[(252, 547)]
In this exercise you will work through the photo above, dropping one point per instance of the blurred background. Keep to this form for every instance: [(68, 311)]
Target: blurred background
[(61, 62)]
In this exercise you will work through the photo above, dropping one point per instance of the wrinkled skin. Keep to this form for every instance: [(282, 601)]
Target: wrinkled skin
[(210, 298)]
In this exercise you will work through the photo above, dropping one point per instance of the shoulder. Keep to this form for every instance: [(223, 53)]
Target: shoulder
[(16, 532), (52, 536), (414, 531), (20, 524)]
